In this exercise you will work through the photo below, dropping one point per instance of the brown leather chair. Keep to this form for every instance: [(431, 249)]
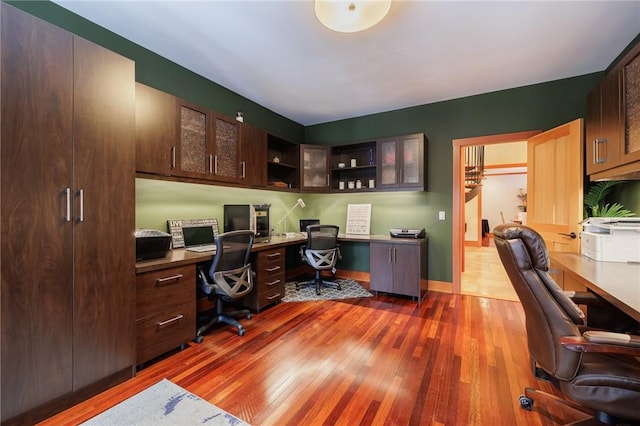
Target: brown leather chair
[(597, 371)]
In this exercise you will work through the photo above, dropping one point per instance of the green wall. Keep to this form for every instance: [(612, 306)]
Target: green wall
[(540, 106)]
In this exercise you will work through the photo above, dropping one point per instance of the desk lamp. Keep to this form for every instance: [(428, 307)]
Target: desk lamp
[(298, 203)]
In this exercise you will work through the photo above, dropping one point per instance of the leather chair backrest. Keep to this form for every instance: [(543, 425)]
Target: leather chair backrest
[(548, 311)]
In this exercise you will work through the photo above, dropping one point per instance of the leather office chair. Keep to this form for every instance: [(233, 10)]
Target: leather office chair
[(596, 371), (322, 253), (229, 278)]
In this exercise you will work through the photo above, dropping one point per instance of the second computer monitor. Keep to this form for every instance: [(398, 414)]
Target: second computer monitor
[(306, 222)]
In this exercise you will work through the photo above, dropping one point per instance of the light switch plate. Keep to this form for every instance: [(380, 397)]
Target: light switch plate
[(441, 215)]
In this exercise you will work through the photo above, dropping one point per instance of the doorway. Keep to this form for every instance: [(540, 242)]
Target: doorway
[(459, 145)]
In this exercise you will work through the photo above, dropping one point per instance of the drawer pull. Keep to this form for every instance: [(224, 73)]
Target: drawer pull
[(170, 321), (273, 282), (275, 268), (274, 255), (275, 296), (168, 280)]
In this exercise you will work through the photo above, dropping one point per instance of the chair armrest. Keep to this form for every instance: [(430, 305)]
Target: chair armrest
[(603, 341)]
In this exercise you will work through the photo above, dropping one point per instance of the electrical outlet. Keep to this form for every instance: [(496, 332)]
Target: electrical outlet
[(441, 215)]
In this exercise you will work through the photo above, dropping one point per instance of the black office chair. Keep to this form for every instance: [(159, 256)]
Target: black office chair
[(598, 371), (322, 253), (229, 278)]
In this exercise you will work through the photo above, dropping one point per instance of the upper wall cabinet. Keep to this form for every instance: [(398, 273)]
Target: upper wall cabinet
[(613, 122), (314, 164), (194, 153), (283, 158), (224, 159), (156, 131), (401, 162), (353, 167), (253, 152)]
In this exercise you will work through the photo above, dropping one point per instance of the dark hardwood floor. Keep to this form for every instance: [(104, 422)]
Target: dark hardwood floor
[(455, 360)]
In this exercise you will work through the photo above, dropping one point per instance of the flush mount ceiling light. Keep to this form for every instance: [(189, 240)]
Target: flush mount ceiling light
[(351, 16)]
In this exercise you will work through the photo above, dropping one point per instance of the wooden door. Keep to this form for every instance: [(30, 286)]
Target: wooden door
[(104, 246), (156, 131), (554, 184), (253, 154), (36, 231)]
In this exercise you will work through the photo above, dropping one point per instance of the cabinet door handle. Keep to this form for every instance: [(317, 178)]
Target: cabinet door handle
[(215, 164), (81, 205), (173, 157), (67, 194), (273, 283), (274, 255), (273, 269), (210, 163), (390, 256), (596, 151), (244, 169), (328, 178), (170, 321), (275, 296), (168, 280)]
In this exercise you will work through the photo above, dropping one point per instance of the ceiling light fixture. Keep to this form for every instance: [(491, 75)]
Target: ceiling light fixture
[(350, 16)]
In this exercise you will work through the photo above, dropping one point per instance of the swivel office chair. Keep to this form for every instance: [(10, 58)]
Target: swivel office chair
[(597, 371), (229, 278), (322, 253)]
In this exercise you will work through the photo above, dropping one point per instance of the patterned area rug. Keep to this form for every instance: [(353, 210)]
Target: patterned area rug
[(350, 289), (165, 403)]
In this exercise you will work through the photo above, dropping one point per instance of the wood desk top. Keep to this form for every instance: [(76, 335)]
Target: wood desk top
[(616, 282), (179, 257)]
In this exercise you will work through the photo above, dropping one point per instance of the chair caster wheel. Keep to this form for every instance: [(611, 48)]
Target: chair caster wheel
[(249, 316), (241, 332), (526, 402), (198, 339)]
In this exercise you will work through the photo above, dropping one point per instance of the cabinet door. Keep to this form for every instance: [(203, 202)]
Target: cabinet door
[(406, 264), (381, 267), (226, 143), (193, 156), (36, 231), (156, 130), (253, 154), (401, 162), (314, 162), (631, 105), (388, 163), (104, 246), (604, 128)]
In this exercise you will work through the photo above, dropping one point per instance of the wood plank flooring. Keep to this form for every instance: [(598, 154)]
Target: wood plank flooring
[(454, 360), (484, 274)]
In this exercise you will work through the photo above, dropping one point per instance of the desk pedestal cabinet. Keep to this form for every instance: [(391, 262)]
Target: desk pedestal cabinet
[(397, 266), (165, 310), (269, 266)]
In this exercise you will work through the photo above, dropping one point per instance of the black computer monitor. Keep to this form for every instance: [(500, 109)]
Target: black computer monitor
[(306, 222)]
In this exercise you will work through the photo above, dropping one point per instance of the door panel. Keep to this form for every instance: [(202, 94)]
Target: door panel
[(555, 181)]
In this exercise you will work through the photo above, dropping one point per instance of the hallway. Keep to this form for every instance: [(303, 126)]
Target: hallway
[(484, 274)]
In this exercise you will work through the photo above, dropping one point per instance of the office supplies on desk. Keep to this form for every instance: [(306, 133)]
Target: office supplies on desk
[(199, 238), (406, 233), (151, 244), (611, 239)]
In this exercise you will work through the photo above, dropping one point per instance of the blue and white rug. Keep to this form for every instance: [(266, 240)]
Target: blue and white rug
[(165, 403), (350, 289)]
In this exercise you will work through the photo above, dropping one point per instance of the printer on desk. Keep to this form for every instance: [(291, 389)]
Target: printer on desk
[(151, 244), (406, 233), (611, 239)]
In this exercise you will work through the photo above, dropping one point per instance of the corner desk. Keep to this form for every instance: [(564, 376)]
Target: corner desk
[(166, 287), (616, 282)]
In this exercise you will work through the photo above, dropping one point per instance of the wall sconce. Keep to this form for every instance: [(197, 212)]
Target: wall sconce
[(240, 116), (298, 203)]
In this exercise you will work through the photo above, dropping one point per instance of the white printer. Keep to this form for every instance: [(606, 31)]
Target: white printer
[(611, 239)]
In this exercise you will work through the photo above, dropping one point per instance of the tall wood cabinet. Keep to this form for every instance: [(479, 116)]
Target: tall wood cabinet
[(67, 246)]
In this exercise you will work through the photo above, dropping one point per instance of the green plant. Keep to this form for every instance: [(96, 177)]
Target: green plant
[(594, 201)]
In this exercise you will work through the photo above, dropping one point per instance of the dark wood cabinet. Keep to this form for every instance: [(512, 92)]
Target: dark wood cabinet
[(165, 310), (283, 158), (269, 266), (314, 168), (67, 255), (398, 266), (156, 131), (194, 154), (253, 156), (225, 145), (401, 162)]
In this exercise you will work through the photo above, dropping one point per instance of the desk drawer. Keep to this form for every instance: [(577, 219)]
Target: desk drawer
[(164, 331), (270, 261), (160, 290), (272, 295)]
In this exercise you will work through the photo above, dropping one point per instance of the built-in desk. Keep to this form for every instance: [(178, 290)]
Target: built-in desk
[(166, 287), (616, 282)]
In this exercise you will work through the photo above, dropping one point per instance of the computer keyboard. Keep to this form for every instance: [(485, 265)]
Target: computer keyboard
[(202, 249)]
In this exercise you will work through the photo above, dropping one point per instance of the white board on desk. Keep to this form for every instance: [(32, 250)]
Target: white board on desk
[(358, 219)]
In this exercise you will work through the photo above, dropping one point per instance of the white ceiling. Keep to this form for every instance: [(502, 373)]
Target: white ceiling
[(277, 54)]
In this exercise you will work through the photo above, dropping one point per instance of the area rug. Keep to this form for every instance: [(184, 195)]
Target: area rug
[(165, 403), (350, 289)]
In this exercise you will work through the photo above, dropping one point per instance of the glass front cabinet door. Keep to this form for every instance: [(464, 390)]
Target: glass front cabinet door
[(314, 165), (401, 162)]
